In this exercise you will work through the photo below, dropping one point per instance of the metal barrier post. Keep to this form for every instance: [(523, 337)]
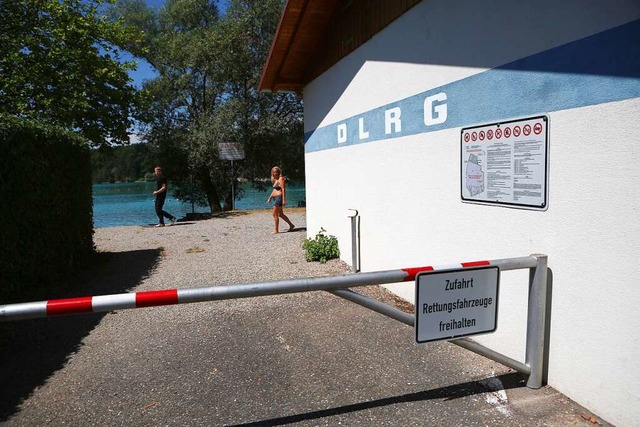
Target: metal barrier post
[(536, 321), (355, 241), (375, 305), (530, 262)]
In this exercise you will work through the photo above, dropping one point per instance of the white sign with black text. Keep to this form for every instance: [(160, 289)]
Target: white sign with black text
[(506, 163), (456, 303)]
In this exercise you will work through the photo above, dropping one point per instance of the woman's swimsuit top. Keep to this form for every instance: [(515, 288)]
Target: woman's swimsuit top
[(277, 187)]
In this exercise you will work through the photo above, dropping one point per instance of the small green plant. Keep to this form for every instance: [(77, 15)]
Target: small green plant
[(322, 248)]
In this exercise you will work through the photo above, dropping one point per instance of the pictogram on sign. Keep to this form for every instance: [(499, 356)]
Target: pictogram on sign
[(466, 137), (481, 135), (516, 131), (526, 130), (537, 128), (474, 136), (498, 133), (490, 134), (507, 132)]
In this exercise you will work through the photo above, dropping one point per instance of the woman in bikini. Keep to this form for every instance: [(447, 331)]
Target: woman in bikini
[(279, 196)]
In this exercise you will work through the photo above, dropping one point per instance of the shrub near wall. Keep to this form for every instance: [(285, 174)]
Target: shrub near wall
[(46, 219)]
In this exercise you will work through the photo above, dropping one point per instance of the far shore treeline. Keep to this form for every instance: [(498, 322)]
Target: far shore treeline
[(135, 162), (122, 164)]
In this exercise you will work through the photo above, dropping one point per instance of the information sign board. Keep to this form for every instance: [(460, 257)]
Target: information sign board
[(506, 163), (231, 151), (456, 303)]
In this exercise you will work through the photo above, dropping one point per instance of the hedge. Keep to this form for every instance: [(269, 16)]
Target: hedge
[(46, 215)]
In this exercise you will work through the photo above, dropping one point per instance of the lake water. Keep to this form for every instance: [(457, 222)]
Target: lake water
[(133, 203)]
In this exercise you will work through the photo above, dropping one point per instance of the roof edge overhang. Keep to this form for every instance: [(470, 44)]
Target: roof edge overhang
[(298, 43), (279, 51), (313, 35)]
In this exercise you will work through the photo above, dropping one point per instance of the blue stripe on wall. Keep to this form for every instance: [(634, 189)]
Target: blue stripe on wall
[(598, 69)]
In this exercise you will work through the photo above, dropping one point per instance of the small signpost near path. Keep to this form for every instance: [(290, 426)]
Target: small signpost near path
[(231, 151), (456, 303)]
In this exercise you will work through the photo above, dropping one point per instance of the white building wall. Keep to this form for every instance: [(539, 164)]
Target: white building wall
[(407, 189)]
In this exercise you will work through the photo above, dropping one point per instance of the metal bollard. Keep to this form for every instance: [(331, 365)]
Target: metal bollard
[(355, 241), (536, 321)]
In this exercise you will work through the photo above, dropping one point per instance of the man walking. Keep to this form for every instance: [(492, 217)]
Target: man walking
[(161, 195)]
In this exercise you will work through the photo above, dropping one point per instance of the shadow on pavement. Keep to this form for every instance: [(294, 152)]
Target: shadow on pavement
[(179, 223), (229, 214), (297, 230), (509, 381), (32, 350)]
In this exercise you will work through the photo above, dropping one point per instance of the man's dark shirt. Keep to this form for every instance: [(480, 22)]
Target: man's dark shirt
[(159, 183)]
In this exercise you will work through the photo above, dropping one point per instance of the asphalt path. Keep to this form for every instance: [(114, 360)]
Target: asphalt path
[(309, 359)]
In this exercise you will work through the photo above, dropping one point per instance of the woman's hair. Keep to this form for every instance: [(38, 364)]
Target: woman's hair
[(275, 169)]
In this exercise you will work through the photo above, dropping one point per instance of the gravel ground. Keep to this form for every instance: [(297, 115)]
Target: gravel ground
[(238, 244), (303, 359)]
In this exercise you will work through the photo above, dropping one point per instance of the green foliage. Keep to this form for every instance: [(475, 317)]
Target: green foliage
[(322, 248), (190, 191), (59, 65), (47, 226), (209, 66)]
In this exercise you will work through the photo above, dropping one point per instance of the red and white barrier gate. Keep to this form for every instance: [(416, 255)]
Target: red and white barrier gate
[(338, 285)]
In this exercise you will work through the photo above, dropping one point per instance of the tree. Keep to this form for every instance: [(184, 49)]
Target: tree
[(59, 64), (208, 69)]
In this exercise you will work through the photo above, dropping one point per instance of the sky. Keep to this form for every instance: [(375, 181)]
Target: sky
[(144, 71)]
